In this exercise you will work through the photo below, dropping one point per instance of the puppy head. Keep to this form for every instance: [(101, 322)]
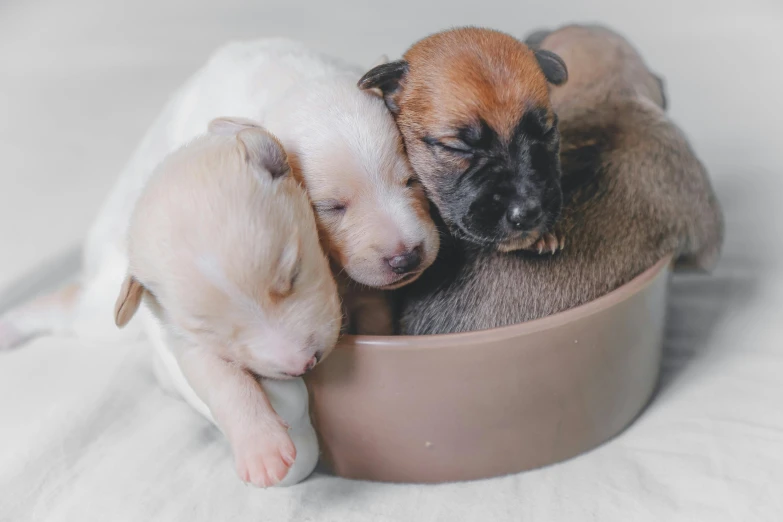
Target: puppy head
[(371, 210), (599, 61), (474, 111), (224, 243)]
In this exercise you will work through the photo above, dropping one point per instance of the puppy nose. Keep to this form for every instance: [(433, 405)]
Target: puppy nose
[(406, 261), (523, 215)]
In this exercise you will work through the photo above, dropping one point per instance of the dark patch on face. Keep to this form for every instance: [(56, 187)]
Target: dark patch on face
[(493, 189)]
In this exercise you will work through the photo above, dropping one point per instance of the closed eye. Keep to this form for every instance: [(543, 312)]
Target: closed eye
[(330, 206), (452, 145), (284, 285), (295, 274)]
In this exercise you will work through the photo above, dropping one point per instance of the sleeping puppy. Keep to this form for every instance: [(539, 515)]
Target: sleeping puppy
[(342, 143), (633, 190), (343, 146), (223, 247), (473, 108)]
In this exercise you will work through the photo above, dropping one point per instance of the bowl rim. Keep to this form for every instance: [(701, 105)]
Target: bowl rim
[(418, 342)]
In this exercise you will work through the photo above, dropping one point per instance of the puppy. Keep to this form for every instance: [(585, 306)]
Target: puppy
[(473, 108), (633, 189), (343, 146), (223, 247)]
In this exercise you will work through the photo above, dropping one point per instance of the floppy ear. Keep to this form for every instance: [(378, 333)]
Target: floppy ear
[(263, 151), (553, 67), (128, 301), (385, 78), (260, 148)]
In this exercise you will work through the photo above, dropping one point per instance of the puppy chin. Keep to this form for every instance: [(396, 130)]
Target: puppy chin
[(278, 374), (520, 243), (382, 279), (404, 280)]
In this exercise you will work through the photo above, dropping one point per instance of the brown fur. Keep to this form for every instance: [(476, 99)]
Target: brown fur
[(452, 78), (634, 192), (452, 81), (473, 108)]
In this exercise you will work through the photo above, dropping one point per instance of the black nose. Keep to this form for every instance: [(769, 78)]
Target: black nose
[(522, 215), (405, 262)]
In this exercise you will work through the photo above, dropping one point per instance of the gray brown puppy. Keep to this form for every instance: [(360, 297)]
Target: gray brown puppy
[(633, 192)]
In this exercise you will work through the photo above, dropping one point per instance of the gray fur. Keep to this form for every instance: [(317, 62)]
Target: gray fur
[(634, 193)]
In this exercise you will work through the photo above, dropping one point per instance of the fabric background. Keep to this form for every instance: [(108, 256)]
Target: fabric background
[(86, 434)]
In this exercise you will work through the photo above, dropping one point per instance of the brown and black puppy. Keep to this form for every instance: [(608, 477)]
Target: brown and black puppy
[(633, 192), (473, 108)]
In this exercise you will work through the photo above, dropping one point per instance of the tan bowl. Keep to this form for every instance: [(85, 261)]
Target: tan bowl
[(479, 404)]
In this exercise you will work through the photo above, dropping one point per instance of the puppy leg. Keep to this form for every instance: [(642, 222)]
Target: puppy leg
[(263, 450), (50, 313), (369, 312), (549, 243)]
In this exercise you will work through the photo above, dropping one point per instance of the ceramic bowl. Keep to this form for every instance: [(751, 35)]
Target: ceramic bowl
[(480, 404)]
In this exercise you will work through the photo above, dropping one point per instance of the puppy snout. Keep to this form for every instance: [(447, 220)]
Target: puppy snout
[(405, 262), (523, 215)]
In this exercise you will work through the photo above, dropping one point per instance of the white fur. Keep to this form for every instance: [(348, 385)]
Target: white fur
[(214, 241), (329, 126), (289, 399)]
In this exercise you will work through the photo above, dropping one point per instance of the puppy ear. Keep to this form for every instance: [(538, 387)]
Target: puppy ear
[(231, 126), (553, 67), (260, 148), (263, 151), (536, 38), (128, 301), (662, 89), (385, 78)]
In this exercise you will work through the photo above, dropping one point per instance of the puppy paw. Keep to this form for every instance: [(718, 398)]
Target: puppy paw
[(264, 456), (548, 243)]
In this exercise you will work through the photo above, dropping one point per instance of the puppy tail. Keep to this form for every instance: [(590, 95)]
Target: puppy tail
[(47, 314)]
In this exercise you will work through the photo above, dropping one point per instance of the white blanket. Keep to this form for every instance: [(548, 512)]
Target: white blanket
[(87, 435)]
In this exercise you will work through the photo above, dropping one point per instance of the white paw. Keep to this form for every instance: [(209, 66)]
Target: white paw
[(264, 456)]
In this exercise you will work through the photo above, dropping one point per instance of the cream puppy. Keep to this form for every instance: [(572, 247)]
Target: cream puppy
[(223, 247), (220, 241)]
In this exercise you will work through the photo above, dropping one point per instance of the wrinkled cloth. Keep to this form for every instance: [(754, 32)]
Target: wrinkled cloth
[(86, 433)]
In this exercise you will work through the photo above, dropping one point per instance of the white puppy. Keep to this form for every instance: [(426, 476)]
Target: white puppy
[(223, 247)]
